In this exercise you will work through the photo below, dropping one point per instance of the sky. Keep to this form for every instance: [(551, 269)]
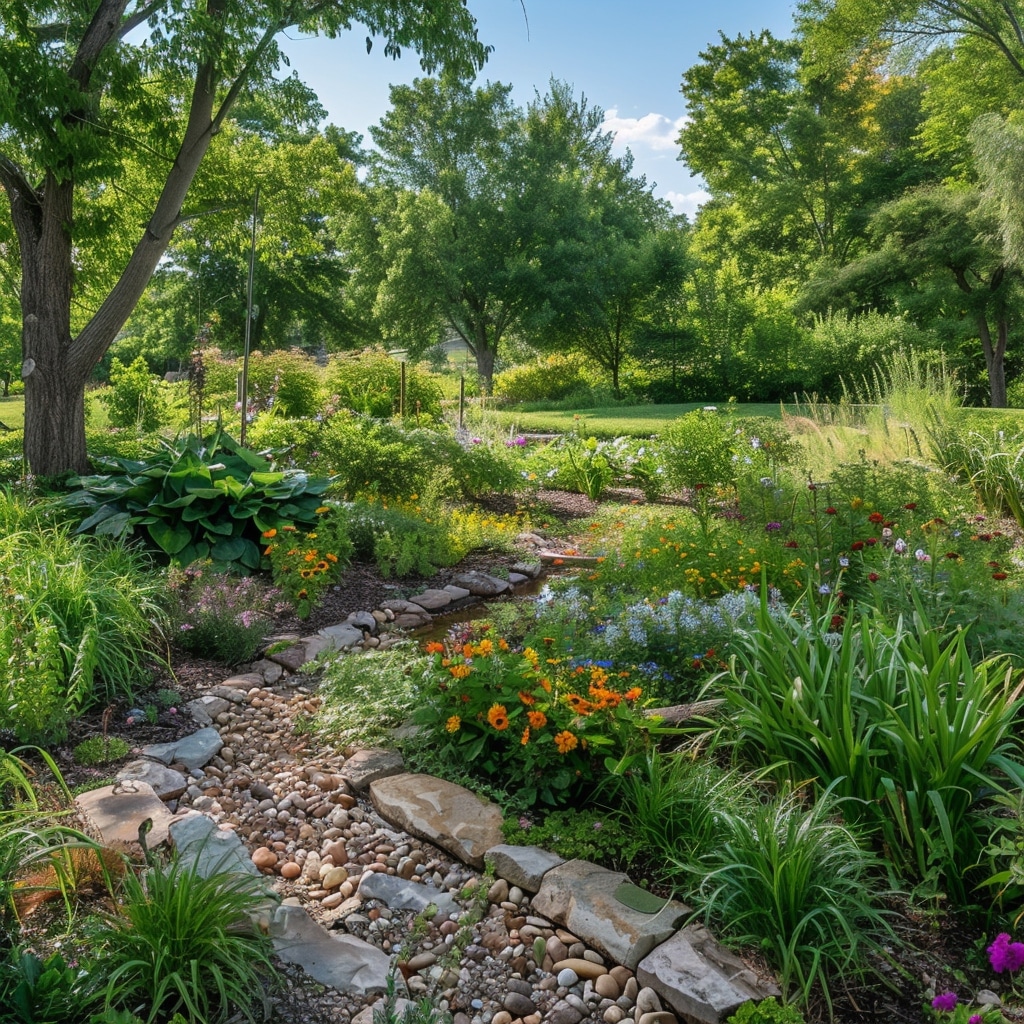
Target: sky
[(627, 58)]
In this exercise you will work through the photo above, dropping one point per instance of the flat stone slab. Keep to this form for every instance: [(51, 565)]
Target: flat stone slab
[(458, 593), (399, 894), (342, 961), (482, 584), (531, 569), (433, 600), (291, 658), (367, 766), (344, 634), (192, 751), (699, 978), (212, 850), (449, 816), (581, 896), (117, 811), (166, 782), (524, 866), (236, 689)]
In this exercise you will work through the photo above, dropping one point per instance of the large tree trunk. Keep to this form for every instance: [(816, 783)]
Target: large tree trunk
[(995, 362)]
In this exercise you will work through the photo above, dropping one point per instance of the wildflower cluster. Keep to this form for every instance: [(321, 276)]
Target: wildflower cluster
[(220, 616), (537, 724), (305, 564)]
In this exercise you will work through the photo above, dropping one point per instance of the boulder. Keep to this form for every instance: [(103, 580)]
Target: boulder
[(192, 751), (481, 584), (166, 782), (449, 816), (524, 866)]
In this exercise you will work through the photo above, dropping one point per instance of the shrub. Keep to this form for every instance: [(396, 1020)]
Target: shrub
[(288, 383), (133, 398), (101, 750), (217, 615), (369, 382), (698, 449), (553, 377), (185, 942), (525, 724)]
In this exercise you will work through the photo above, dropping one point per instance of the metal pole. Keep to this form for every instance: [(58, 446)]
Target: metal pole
[(248, 316), (401, 393), (462, 400)]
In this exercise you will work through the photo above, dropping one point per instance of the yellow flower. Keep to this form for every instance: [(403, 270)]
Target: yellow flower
[(453, 724), (322, 509), (566, 741), (460, 671)]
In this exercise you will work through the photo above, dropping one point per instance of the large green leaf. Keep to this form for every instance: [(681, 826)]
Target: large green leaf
[(229, 550), (169, 537)]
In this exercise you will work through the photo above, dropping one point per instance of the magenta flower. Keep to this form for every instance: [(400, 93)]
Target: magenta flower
[(1005, 955), (945, 1001), (976, 1018)]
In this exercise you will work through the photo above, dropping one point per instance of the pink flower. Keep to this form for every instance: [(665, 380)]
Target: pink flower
[(945, 1001), (1005, 955)]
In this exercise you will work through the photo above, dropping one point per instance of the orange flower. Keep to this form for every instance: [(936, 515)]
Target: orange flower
[(485, 648), (434, 647), (545, 684), (330, 557), (453, 724), (460, 671), (310, 556), (537, 719), (498, 717), (468, 651), (566, 741), (579, 704), (503, 644), (270, 533), (526, 737), (632, 693), (528, 699)]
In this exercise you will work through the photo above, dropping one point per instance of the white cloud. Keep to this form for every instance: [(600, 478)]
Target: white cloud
[(687, 202), (653, 131)]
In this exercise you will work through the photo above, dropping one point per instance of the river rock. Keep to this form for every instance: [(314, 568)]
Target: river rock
[(192, 751), (481, 584), (167, 783)]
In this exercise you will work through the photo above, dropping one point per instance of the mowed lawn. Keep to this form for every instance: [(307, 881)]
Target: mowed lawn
[(633, 420), (12, 412)]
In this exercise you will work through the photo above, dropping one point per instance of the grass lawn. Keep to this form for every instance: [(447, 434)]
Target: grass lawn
[(12, 412), (634, 420)]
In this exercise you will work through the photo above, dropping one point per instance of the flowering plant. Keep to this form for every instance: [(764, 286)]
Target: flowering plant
[(950, 1010), (538, 724), (305, 564)]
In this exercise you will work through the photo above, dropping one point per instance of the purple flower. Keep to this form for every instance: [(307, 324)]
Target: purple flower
[(946, 1001), (976, 1018), (772, 526), (1005, 955)]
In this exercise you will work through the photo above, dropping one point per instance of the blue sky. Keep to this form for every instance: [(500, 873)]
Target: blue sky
[(626, 58)]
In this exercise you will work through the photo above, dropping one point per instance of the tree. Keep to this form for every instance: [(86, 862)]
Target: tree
[(83, 90), (487, 220), (937, 256)]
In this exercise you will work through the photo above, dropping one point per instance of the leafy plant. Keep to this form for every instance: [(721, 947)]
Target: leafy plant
[(50, 991), (766, 1011), (133, 398), (896, 720), (797, 883), (197, 500), (101, 750), (605, 837), (184, 942)]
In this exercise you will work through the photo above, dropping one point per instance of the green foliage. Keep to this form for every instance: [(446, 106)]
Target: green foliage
[(554, 377), (798, 884), (79, 624), (49, 991), (766, 1011), (525, 725), (134, 398), (605, 838), (182, 942), (288, 383), (366, 696), (422, 1011), (369, 382), (101, 750), (217, 615), (197, 500), (698, 449), (993, 464), (895, 721), (305, 565)]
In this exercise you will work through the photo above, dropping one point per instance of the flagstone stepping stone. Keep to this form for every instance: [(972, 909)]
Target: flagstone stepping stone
[(524, 866), (581, 896), (342, 961), (449, 816), (166, 782), (342, 636), (699, 978), (433, 600), (212, 850), (366, 766), (117, 811), (481, 584), (398, 894), (192, 751)]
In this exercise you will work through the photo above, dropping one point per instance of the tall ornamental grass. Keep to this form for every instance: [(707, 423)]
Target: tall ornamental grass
[(894, 720)]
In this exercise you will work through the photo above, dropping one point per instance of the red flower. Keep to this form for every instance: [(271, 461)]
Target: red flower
[(999, 575), (857, 545), (952, 554), (871, 541), (993, 565), (837, 621), (876, 517), (910, 506), (830, 511), (873, 576), (790, 544)]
